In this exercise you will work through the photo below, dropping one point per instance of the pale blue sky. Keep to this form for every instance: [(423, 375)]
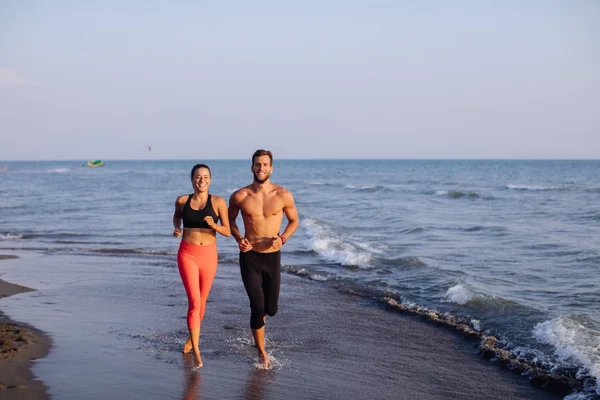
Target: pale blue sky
[(306, 79)]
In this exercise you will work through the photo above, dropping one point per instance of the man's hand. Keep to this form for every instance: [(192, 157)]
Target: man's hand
[(277, 242), (244, 245)]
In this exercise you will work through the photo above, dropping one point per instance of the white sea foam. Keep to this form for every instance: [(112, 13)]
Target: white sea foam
[(441, 193), (532, 187), (459, 294), (59, 170), (331, 246), (8, 236), (318, 277), (578, 396), (574, 341), (364, 187)]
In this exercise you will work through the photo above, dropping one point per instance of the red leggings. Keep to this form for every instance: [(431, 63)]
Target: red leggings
[(197, 267)]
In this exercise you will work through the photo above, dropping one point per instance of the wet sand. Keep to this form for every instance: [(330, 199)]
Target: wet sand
[(20, 344), (118, 334), (337, 346)]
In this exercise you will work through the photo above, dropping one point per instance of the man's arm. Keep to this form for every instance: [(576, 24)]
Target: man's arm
[(291, 213), (233, 212)]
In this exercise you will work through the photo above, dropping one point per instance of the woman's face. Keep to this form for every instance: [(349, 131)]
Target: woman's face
[(201, 179)]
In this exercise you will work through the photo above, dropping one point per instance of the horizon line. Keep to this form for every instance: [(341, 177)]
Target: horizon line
[(305, 159)]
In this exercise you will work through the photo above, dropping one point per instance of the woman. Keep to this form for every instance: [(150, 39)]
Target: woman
[(197, 255)]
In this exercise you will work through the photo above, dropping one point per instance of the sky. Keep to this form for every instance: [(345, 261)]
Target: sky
[(306, 79)]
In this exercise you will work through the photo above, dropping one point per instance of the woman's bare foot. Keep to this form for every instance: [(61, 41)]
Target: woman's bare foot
[(198, 365), (264, 360), (187, 347)]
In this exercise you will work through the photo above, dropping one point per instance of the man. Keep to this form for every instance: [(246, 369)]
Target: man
[(263, 205)]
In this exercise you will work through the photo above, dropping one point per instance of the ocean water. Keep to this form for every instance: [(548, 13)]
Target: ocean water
[(510, 249)]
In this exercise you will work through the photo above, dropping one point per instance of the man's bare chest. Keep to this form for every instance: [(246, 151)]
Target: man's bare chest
[(261, 207)]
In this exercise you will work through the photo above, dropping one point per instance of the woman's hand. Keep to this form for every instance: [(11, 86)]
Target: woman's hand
[(210, 222), (177, 232)]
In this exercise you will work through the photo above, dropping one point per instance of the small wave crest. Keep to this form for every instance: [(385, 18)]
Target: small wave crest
[(133, 251), (319, 183), (329, 244), (367, 188), (459, 294), (511, 186), (59, 170), (462, 295), (314, 276), (9, 236), (496, 230), (410, 231), (457, 194)]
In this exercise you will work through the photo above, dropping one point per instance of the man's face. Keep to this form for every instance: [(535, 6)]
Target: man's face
[(262, 168)]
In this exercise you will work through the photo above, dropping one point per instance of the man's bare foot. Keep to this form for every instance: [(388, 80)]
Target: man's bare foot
[(187, 347)]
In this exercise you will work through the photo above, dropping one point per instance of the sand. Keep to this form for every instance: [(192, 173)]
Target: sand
[(20, 344)]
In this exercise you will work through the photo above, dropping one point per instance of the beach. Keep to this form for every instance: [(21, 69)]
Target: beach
[(473, 279), (324, 343), (20, 345)]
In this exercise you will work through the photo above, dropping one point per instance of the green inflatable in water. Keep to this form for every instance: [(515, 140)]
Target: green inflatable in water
[(97, 163)]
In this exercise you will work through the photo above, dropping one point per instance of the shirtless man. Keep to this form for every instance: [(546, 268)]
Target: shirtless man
[(263, 205)]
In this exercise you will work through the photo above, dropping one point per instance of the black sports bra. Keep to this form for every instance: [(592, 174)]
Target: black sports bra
[(195, 218)]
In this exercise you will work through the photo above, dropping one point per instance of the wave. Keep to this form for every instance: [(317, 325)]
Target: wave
[(59, 170), (319, 183), (462, 295), (368, 188), (459, 294), (132, 251), (590, 259), (574, 338), (329, 245), (492, 229), (534, 187), (457, 194), (590, 216), (9, 236), (314, 276), (409, 262), (85, 250), (409, 231), (549, 376), (62, 235), (566, 376)]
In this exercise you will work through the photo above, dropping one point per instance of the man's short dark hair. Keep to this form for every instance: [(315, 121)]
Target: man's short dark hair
[(261, 152)]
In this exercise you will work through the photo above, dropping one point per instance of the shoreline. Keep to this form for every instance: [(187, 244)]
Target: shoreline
[(20, 345)]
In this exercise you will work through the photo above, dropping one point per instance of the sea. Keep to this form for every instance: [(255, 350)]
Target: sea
[(507, 249)]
